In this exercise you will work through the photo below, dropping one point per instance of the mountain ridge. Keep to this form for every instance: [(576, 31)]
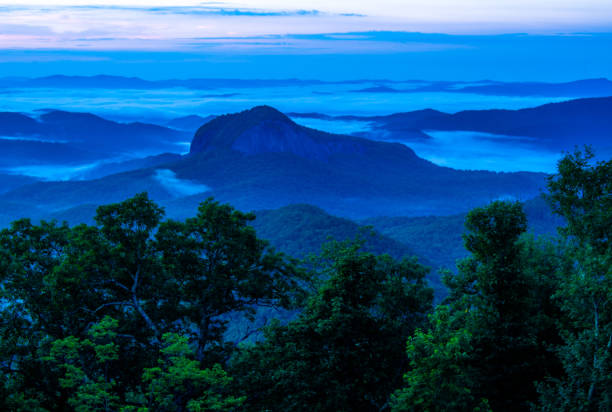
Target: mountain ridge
[(558, 126), (590, 87), (264, 129), (260, 159)]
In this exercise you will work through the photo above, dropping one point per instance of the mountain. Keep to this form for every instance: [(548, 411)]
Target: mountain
[(296, 230), (88, 82), (20, 152), (377, 89), (439, 239), (299, 230), (189, 123), (9, 182), (83, 140), (557, 126), (91, 131), (260, 159), (18, 124), (120, 82), (579, 88), (263, 130), (574, 89), (110, 168)]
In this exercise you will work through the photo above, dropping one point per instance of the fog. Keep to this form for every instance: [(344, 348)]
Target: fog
[(178, 187), (484, 151), (159, 106), (52, 172), (463, 149)]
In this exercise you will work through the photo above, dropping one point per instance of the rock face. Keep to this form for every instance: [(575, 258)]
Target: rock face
[(266, 130)]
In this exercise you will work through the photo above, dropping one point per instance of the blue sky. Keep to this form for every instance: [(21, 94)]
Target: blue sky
[(398, 39)]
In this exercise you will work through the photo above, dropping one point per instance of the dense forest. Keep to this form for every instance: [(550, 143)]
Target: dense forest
[(133, 313)]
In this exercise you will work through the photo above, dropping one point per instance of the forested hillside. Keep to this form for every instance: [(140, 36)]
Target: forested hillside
[(130, 313), (438, 239)]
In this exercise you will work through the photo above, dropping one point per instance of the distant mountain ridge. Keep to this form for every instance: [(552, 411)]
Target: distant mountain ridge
[(260, 159), (189, 123), (579, 88), (63, 138), (554, 125), (439, 238)]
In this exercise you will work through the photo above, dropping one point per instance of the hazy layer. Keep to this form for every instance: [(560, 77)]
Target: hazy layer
[(162, 105)]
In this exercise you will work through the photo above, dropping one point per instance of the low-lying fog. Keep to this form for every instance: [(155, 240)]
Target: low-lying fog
[(462, 149), (159, 106)]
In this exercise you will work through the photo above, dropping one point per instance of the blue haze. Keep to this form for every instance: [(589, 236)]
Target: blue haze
[(511, 57)]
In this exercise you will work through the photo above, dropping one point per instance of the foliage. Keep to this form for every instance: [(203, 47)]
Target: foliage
[(178, 383), (132, 314), (88, 367), (85, 309), (482, 346), (439, 376), (581, 191), (345, 351)]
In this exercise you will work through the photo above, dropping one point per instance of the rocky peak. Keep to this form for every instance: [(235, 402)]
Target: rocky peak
[(264, 129)]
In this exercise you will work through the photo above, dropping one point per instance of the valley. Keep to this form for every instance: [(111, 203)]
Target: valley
[(318, 206), (262, 160)]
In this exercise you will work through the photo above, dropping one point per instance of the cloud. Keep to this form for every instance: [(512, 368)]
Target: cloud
[(186, 10), (290, 45), (223, 11), (26, 56), (113, 27), (24, 29)]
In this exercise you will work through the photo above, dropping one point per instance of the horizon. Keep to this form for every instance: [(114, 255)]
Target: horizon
[(335, 58), (300, 79)]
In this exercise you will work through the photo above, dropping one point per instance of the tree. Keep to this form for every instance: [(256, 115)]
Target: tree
[(345, 350), (489, 344), (152, 277), (89, 367), (178, 383), (29, 312), (440, 376), (219, 266), (581, 192)]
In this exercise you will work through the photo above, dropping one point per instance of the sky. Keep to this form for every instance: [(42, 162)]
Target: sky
[(433, 39)]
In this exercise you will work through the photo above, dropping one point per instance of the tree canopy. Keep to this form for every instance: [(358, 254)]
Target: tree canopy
[(138, 313)]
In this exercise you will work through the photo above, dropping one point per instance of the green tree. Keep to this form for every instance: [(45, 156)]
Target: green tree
[(219, 266), (151, 276), (88, 367), (490, 344), (28, 312), (346, 349), (178, 383), (581, 192), (440, 376)]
